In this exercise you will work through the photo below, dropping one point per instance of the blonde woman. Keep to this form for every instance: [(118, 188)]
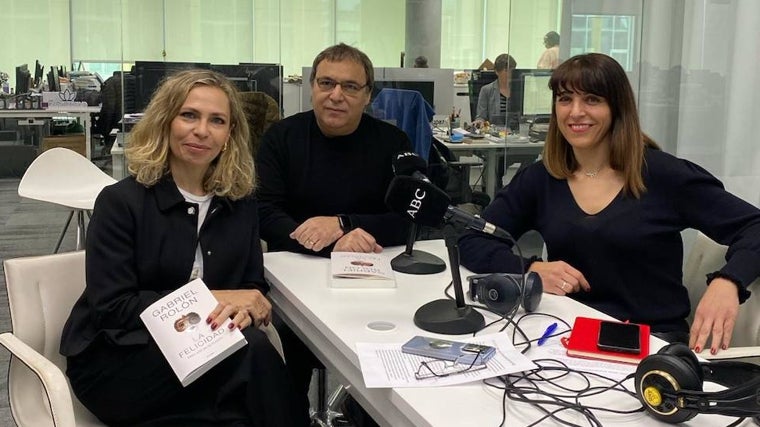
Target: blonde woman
[(186, 211)]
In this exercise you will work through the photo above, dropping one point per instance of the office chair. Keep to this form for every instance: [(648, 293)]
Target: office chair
[(63, 177), (411, 113), (41, 292), (707, 256), (453, 176), (261, 110)]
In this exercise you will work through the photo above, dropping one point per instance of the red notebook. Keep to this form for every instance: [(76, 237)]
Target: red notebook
[(585, 335)]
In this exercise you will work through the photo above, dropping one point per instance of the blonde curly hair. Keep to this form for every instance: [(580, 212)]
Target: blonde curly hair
[(230, 175)]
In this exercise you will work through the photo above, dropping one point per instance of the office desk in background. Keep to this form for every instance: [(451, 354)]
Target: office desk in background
[(331, 322), (82, 114), (489, 148)]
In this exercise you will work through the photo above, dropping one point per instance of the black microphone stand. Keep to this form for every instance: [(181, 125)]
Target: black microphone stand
[(413, 261), (446, 316)]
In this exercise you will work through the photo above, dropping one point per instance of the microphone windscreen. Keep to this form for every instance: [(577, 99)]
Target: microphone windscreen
[(407, 163), (421, 202)]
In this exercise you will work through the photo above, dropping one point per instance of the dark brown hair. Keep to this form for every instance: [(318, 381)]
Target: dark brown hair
[(340, 52), (602, 76)]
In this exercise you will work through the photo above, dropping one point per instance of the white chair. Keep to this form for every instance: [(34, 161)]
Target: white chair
[(41, 292), (707, 256), (64, 177)]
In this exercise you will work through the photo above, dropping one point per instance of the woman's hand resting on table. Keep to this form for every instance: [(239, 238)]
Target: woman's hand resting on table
[(559, 277), (715, 316), (240, 308)]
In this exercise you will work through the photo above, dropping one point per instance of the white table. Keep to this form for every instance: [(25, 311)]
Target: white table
[(490, 148), (332, 321), (82, 114)]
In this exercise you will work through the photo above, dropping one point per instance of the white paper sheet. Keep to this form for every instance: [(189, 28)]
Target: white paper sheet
[(384, 365)]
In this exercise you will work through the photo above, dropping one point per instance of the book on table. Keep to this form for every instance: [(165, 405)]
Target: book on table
[(588, 340), (361, 270), (177, 322)]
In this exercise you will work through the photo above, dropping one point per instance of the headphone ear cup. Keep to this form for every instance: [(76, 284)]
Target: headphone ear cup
[(657, 380), (683, 352), (534, 289), (499, 293)]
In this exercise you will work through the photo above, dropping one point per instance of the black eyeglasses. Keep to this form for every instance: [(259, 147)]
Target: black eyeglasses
[(349, 88), (444, 368)]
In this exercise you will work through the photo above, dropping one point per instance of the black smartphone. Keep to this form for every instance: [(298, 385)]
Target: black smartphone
[(619, 337)]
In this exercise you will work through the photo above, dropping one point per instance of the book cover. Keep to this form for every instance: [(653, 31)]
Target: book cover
[(361, 270), (177, 323), (453, 351), (584, 338)]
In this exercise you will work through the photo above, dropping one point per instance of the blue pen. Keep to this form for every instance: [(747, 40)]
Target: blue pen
[(547, 333)]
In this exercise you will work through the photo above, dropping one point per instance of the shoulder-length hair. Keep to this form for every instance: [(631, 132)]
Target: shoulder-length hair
[(602, 76), (230, 175)]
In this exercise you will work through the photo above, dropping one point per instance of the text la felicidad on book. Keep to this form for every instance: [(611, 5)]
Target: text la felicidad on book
[(177, 324)]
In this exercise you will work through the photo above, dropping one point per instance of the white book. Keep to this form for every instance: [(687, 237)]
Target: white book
[(177, 323), (361, 270)]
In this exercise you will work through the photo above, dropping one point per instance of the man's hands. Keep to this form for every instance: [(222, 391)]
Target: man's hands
[(320, 232)]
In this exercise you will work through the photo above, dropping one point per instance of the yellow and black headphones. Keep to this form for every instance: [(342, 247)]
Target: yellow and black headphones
[(669, 385)]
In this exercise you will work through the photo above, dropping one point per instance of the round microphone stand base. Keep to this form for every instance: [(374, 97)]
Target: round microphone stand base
[(418, 262), (444, 317)]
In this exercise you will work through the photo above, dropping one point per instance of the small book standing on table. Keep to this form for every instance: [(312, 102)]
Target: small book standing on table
[(589, 340), (360, 270), (177, 322)]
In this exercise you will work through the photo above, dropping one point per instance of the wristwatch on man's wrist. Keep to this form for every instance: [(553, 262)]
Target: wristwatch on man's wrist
[(345, 223)]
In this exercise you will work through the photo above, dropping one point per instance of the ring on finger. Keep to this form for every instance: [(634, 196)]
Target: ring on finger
[(564, 286)]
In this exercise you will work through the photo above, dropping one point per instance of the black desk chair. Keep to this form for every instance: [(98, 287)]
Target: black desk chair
[(453, 176)]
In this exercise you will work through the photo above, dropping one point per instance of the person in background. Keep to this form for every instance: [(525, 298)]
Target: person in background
[(421, 62), (323, 177), (494, 106), (550, 57), (186, 212), (493, 100), (611, 206)]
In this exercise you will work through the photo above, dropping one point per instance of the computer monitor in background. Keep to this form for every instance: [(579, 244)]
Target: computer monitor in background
[(441, 78), (38, 72), (530, 88), (23, 76), (252, 77), (148, 74), (426, 89), (54, 83)]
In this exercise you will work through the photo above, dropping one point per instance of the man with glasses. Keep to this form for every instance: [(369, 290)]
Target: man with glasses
[(323, 175)]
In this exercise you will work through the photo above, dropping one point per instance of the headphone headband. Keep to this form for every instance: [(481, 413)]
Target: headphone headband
[(669, 385)]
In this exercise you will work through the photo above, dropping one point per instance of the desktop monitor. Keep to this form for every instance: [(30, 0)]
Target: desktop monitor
[(54, 83), (251, 77), (530, 88), (38, 71), (148, 75), (426, 89), (23, 76)]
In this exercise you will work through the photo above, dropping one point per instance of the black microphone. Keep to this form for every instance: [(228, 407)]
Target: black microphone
[(413, 261), (425, 204), (407, 163)]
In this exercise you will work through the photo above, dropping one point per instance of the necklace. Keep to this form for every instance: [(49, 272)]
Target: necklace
[(593, 173)]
